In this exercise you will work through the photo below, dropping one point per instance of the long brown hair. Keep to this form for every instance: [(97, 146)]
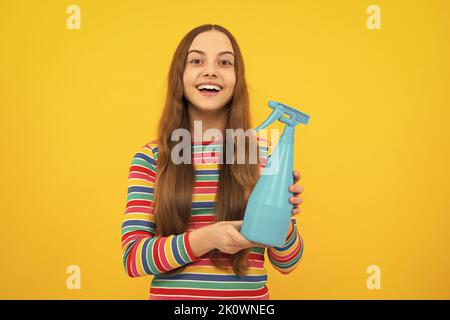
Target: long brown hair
[(173, 204)]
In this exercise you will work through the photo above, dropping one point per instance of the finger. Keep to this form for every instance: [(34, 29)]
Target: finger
[(296, 189), (295, 200), (296, 176), (295, 211)]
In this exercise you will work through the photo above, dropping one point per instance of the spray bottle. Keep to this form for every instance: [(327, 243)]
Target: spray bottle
[(268, 212)]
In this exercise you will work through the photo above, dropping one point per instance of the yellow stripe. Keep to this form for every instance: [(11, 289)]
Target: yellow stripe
[(214, 270), (138, 216), (207, 166), (203, 197), (275, 252), (139, 266), (147, 152), (292, 248), (140, 183), (168, 250)]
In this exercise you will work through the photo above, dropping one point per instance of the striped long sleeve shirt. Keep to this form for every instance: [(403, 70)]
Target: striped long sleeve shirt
[(145, 253)]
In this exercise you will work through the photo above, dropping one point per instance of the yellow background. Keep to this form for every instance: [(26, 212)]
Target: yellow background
[(77, 104)]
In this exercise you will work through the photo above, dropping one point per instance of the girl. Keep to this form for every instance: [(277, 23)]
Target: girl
[(182, 221)]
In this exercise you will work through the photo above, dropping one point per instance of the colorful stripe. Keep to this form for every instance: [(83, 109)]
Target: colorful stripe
[(145, 253)]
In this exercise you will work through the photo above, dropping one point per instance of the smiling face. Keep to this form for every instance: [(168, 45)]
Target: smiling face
[(210, 60)]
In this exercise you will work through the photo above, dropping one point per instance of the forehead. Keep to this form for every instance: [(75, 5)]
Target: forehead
[(211, 42)]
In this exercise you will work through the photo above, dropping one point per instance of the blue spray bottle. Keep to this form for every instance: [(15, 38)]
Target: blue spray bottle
[(268, 212)]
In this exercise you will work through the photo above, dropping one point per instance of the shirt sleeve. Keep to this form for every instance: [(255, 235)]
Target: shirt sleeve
[(143, 252), (287, 257)]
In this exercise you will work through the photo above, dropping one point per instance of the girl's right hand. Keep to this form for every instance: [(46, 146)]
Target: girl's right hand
[(227, 238)]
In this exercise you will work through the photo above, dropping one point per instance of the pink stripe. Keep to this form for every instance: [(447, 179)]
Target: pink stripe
[(134, 257), (140, 175), (208, 190), (202, 218), (187, 297), (211, 191), (162, 254), (206, 154), (157, 297), (226, 263), (135, 237), (206, 160), (281, 258), (139, 209)]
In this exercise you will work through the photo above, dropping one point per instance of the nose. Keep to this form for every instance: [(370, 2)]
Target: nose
[(210, 69)]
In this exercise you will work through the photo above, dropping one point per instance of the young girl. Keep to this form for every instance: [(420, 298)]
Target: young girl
[(182, 221)]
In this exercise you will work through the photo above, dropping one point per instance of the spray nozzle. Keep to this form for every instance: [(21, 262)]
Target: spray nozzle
[(279, 110)]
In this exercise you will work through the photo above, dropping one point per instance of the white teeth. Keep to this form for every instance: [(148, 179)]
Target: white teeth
[(208, 86)]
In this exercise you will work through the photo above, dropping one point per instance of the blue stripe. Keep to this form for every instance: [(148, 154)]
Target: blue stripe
[(214, 277), (140, 189), (138, 223), (144, 257), (288, 244), (290, 241), (202, 205), (141, 155), (175, 251), (126, 253), (199, 172), (289, 264)]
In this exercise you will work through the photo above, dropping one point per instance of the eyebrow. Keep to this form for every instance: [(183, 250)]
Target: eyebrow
[(220, 53)]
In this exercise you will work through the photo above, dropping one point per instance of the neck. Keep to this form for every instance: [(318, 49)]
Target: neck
[(208, 120)]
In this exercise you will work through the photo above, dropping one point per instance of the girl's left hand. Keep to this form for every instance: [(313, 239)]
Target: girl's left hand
[(296, 190)]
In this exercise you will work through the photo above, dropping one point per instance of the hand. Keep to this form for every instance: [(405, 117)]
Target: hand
[(227, 238), (296, 190)]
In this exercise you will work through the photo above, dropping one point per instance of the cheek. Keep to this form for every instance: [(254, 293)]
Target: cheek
[(188, 83), (231, 82)]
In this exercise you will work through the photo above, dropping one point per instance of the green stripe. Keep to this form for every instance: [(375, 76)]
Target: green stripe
[(150, 257), (207, 148), (143, 163), (202, 211), (258, 250), (182, 249), (140, 196), (290, 263), (140, 162), (159, 283), (206, 178), (291, 239), (293, 261), (140, 228)]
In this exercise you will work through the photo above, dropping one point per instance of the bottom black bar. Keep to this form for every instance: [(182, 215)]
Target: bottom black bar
[(272, 309)]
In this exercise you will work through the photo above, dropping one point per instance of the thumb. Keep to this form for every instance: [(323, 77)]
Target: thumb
[(236, 223)]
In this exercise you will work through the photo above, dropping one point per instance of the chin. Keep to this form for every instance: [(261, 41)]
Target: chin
[(212, 106)]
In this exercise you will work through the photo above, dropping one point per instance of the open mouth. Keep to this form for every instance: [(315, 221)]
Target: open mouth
[(209, 90)]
